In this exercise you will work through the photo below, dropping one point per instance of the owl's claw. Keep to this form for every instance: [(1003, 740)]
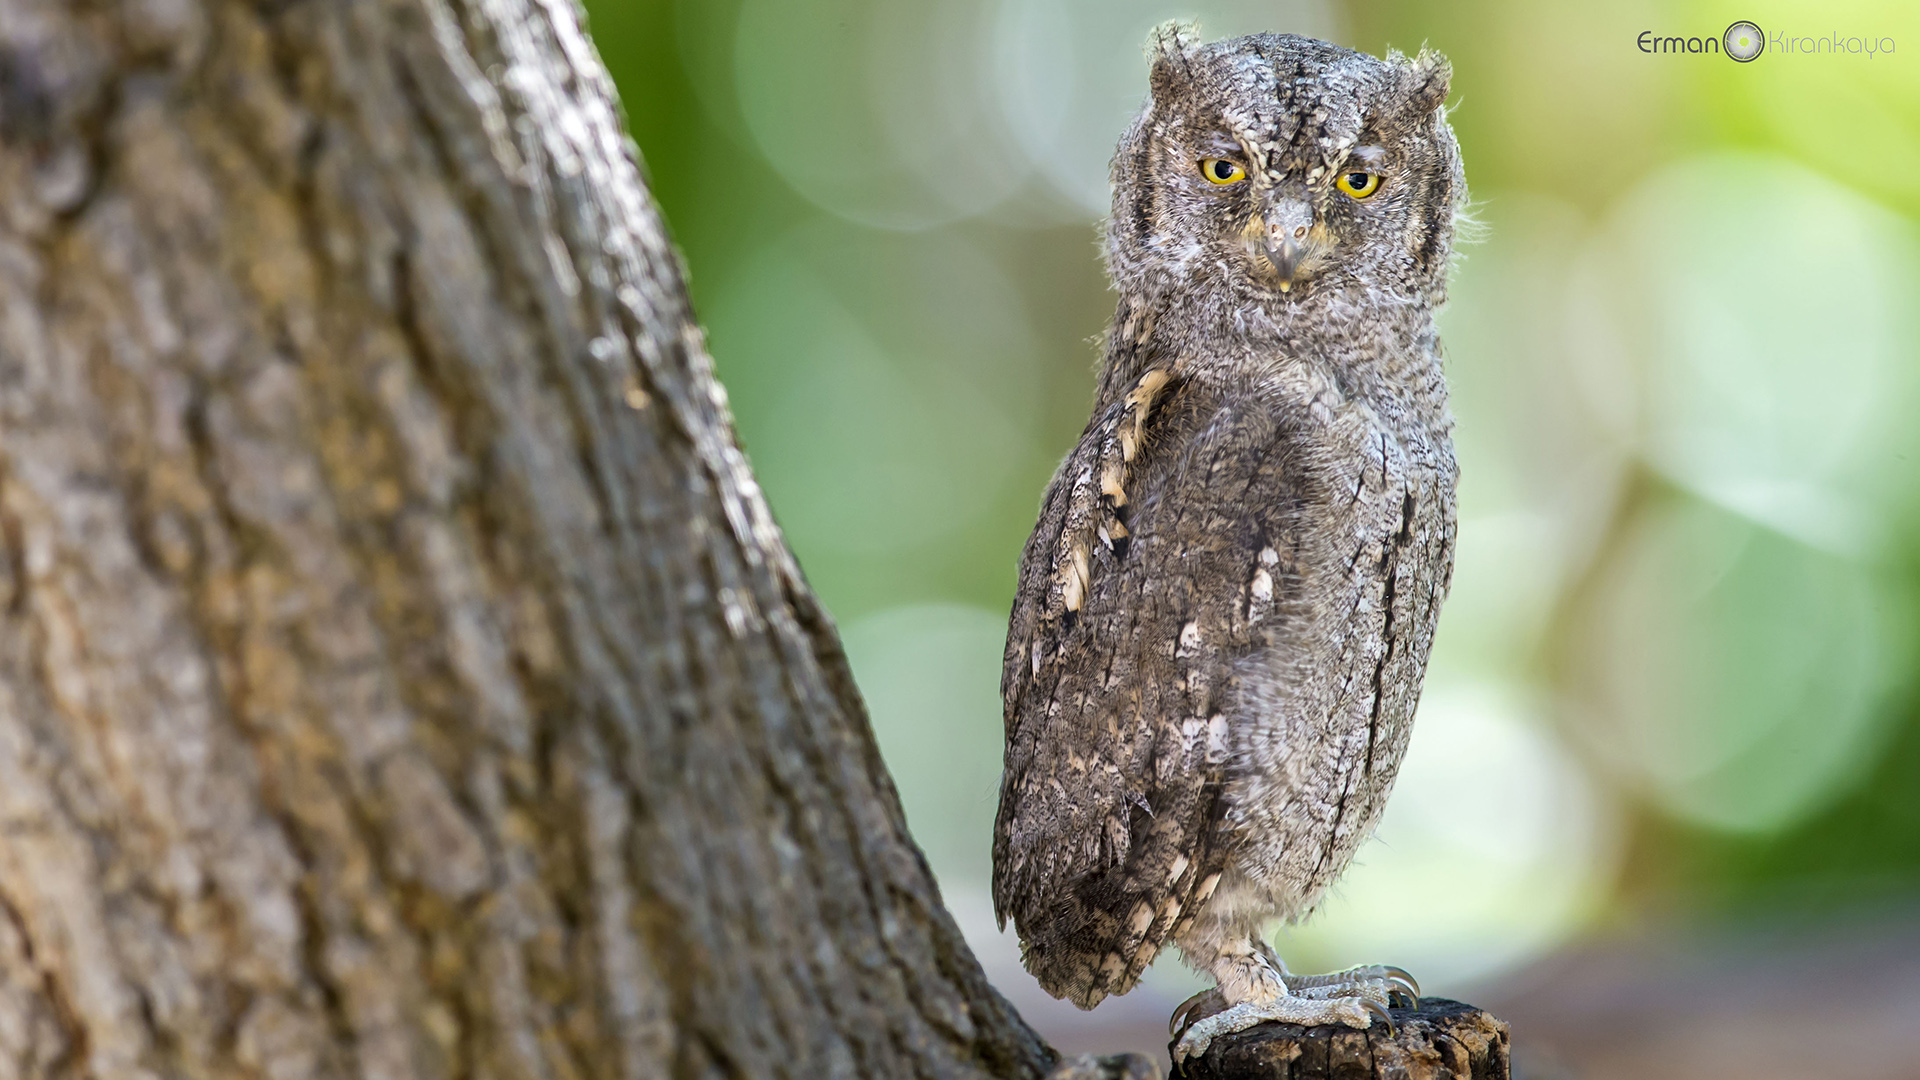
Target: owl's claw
[(1379, 1012), (1175, 1022), (1405, 990), (1403, 976)]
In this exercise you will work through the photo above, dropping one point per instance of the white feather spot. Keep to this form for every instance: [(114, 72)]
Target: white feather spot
[(1259, 595), (1191, 730), (1269, 557), (1142, 918), (1189, 639), (1073, 589), (1217, 738), (1206, 887), (1179, 867)]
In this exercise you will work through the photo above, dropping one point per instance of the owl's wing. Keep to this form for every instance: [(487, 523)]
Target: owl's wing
[(1161, 557)]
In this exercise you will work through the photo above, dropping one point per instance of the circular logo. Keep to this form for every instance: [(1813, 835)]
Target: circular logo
[(1743, 41)]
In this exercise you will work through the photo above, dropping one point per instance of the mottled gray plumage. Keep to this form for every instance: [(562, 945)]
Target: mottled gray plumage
[(1226, 607)]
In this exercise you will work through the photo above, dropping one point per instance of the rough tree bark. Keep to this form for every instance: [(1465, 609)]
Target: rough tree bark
[(400, 674)]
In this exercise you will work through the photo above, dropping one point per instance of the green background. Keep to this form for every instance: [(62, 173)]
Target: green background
[(1676, 682)]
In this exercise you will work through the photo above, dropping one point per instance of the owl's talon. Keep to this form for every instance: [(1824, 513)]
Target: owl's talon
[(1404, 977), (1379, 1012), (1175, 1023), (1402, 989)]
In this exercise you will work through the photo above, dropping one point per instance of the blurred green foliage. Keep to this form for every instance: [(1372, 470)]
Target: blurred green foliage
[(1680, 650)]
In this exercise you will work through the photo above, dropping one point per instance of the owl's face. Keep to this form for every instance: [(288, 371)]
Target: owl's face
[(1274, 168)]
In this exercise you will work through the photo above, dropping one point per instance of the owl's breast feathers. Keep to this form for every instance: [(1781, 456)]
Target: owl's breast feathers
[(1187, 555)]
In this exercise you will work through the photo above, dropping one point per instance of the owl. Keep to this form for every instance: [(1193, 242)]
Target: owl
[(1226, 607)]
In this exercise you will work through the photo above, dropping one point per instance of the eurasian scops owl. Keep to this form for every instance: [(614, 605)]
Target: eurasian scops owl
[(1226, 607)]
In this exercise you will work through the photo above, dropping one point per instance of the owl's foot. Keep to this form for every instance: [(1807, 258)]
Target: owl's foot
[(1365, 981), (1359, 1011), (1370, 981), (1255, 986)]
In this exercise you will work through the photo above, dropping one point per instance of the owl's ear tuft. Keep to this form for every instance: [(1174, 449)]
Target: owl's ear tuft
[(1430, 77), (1171, 47)]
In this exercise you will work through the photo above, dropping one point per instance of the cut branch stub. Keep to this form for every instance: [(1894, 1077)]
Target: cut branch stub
[(1438, 1040)]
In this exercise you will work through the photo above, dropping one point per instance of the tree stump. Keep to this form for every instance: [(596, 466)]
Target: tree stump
[(1438, 1040)]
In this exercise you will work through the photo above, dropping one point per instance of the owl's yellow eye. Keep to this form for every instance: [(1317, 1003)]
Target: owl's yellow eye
[(1358, 183), (1221, 171)]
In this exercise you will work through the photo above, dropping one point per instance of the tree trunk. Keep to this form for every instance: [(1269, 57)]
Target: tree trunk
[(400, 673)]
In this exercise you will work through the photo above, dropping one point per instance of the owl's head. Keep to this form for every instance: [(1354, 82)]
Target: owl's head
[(1273, 169)]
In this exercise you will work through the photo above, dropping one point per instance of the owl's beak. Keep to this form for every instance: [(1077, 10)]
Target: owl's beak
[(1287, 239), (1285, 257)]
